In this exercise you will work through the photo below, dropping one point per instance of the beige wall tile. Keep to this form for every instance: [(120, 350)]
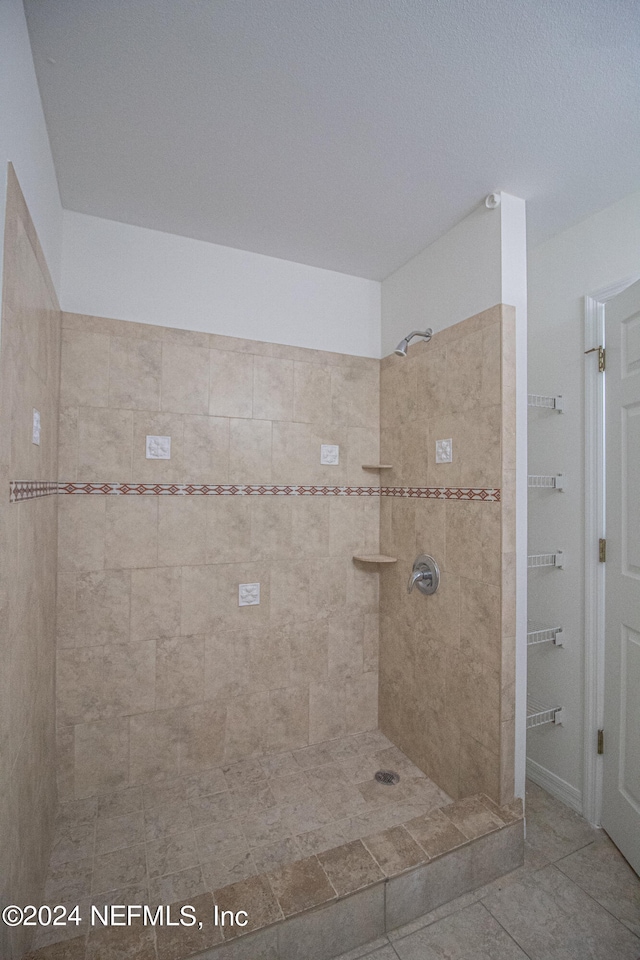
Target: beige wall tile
[(228, 529), (354, 395), (94, 609), (154, 745), (327, 710), (185, 378), (84, 369), (296, 453), (135, 368), (362, 703), (206, 450), (272, 389), (310, 526), (101, 756), (247, 727), (288, 718), (250, 451), (203, 745), (309, 651), (179, 671), (104, 444), (346, 530), (231, 384), (270, 657), (68, 443), (431, 381), (346, 639), (363, 446), (157, 425), (463, 378), (155, 603), (196, 609), (182, 530), (312, 392), (271, 527), (131, 531), (464, 537), (480, 622), (289, 591), (81, 532), (227, 662)]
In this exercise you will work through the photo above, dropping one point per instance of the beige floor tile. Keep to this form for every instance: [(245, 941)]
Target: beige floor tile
[(276, 854), (253, 895), (435, 833), (553, 830), (300, 886), (350, 867), (472, 817), (115, 833), (119, 869), (215, 808), (172, 854), (177, 886), (394, 850), (602, 872), (218, 873), (175, 943), (549, 916), (469, 932), (166, 820)]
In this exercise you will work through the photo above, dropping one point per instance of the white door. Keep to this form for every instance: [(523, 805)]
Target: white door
[(621, 788)]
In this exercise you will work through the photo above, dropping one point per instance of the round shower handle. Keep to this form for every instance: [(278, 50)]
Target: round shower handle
[(425, 575)]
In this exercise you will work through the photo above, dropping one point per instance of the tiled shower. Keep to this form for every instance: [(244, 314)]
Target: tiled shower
[(223, 675)]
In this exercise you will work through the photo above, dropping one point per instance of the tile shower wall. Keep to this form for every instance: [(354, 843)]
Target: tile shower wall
[(160, 672), (447, 661), (29, 363)]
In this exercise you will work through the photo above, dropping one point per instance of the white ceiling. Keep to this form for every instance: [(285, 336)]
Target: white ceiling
[(345, 134)]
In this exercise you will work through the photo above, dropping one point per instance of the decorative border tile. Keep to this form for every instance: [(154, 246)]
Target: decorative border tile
[(488, 494), (216, 490), (30, 489)]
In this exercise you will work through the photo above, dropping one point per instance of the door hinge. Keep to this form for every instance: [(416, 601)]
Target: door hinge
[(601, 357), (602, 550), (600, 741)]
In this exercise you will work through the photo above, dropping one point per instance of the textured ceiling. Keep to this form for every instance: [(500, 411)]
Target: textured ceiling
[(346, 134)]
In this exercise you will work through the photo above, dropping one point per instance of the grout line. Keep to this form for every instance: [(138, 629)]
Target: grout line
[(508, 933)]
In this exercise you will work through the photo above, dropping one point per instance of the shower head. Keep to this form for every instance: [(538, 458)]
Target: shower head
[(401, 349)]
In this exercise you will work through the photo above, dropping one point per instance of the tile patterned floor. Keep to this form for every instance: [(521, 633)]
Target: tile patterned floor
[(179, 840), (575, 898)]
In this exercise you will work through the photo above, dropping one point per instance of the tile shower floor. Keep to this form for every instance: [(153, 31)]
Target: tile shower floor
[(162, 843)]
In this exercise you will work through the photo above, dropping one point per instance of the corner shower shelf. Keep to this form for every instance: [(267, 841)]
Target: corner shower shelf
[(556, 559), (550, 403), (537, 633), (377, 466), (556, 482), (539, 714), (375, 558)]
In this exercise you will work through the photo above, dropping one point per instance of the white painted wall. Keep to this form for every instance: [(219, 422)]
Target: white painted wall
[(116, 270), (593, 254), (513, 284), (480, 262), (450, 280), (23, 136)]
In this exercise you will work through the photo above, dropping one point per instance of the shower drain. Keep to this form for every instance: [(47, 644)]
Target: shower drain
[(388, 777)]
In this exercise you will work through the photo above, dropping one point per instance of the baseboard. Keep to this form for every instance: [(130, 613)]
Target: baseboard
[(555, 785)]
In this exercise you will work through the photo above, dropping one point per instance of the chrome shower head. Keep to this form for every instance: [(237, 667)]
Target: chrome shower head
[(401, 349)]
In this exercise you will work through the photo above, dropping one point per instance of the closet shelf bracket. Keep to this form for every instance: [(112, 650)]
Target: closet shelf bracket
[(539, 714), (537, 633), (550, 403), (556, 559)]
